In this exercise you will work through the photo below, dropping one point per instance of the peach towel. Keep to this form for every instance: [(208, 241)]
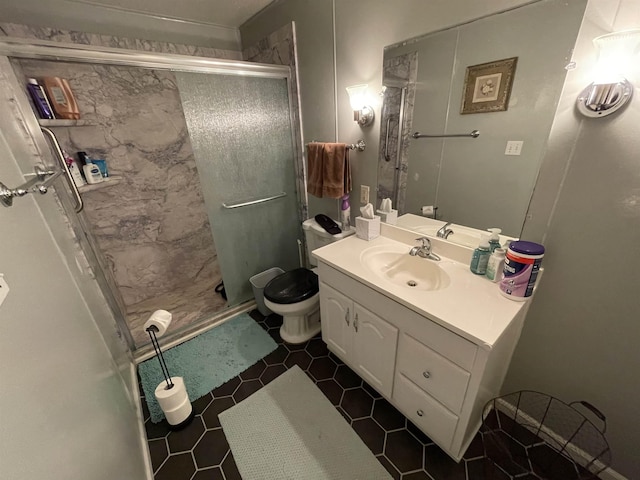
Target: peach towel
[(329, 172)]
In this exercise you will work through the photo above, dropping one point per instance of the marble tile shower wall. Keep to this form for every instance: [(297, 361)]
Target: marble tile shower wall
[(151, 228), (401, 70), (279, 48)]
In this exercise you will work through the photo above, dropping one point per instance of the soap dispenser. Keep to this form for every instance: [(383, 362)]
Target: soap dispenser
[(481, 256), (494, 240)]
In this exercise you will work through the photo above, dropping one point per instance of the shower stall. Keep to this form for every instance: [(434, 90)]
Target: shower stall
[(202, 157)]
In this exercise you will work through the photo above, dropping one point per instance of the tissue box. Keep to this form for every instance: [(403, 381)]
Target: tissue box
[(368, 228), (388, 217)]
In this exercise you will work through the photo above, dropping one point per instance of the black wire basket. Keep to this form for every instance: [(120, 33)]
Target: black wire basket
[(530, 432)]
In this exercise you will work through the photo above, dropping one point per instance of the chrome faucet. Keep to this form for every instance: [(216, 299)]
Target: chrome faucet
[(424, 250), (444, 231)]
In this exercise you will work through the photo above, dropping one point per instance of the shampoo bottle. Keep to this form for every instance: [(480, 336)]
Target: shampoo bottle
[(39, 99), (481, 257), (345, 212), (494, 240), (61, 98), (496, 265), (74, 169)]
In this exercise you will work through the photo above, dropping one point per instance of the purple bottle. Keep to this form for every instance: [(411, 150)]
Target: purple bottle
[(39, 99)]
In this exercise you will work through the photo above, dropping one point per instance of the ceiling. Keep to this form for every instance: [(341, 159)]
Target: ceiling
[(228, 13)]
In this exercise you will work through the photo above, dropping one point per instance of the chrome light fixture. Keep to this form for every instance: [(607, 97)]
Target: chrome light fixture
[(363, 113), (610, 90)]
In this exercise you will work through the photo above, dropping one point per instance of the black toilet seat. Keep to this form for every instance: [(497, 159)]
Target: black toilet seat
[(292, 287)]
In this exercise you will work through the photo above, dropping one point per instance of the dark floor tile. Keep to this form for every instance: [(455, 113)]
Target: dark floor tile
[(177, 467), (294, 347), (441, 465), (300, 358), (273, 321), (254, 371), (421, 476), (322, 368), (419, 434), (272, 372), (387, 415), (215, 408), (331, 390), (335, 358), (344, 414), (509, 455), (209, 474), (476, 448), (256, 315), (201, 404), (276, 357), (548, 463), (404, 451), (156, 430), (245, 389), (211, 449), (226, 389), (230, 468), (158, 452), (371, 391), (145, 409), (347, 378), (274, 333), (185, 439), (317, 348), (357, 403), (483, 469), (370, 433), (389, 467)]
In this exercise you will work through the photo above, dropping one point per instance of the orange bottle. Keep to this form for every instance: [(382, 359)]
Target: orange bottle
[(61, 98)]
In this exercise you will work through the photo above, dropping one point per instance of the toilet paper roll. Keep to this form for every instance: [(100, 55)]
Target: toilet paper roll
[(427, 211), (161, 319)]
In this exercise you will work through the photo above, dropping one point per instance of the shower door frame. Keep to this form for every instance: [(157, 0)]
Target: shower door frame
[(18, 48)]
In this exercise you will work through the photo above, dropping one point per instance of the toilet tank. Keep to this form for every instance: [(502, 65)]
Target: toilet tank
[(315, 237)]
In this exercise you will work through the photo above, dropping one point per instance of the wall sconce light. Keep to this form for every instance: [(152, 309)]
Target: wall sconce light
[(363, 113), (610, 89)]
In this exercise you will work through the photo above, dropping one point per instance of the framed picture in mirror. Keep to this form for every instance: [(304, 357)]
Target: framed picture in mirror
[(487, 86)]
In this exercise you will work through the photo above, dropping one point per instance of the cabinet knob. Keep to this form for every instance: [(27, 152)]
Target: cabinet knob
[(420, 413), (346, 317), (426, 374)]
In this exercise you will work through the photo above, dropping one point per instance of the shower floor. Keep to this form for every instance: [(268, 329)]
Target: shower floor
[(188, 305), (200, 451)]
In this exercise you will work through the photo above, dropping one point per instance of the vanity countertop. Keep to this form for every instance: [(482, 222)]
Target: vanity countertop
[(470, 305)]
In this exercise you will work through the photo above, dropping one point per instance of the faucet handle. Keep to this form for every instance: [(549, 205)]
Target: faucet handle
[(426, 242)]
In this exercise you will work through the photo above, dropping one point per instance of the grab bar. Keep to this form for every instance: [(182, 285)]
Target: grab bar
[(386, 140), (62, 161), (253, 202), (473, 134)]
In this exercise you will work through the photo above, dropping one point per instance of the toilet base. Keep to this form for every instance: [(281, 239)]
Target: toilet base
[(300, 328)]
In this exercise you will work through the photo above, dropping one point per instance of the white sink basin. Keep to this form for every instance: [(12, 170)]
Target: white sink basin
[(395, 265)]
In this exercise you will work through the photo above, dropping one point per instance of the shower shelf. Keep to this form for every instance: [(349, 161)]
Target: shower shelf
[(113, 180), (66, 123)]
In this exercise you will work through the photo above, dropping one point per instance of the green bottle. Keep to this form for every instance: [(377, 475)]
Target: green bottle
[(481, 256)]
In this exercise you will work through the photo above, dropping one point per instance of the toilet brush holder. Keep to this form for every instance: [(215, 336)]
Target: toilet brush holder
[(174, 402)]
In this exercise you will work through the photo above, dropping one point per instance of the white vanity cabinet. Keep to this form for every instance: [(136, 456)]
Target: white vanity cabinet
[(437, 378), (363, 340)]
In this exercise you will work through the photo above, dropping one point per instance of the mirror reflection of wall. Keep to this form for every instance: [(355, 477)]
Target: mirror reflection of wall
[(472, 181)]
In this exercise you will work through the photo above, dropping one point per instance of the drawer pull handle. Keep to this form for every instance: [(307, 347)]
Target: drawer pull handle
[(346, 317), (355, 323), (420, 413), (426, 374)]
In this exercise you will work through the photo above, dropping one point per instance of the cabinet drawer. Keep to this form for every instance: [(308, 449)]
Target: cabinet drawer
[(432, 418), (438, 376)]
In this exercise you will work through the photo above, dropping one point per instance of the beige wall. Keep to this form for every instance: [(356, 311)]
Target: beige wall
[(579, 338)]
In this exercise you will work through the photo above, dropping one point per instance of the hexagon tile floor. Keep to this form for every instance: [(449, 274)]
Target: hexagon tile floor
[(201, 452)]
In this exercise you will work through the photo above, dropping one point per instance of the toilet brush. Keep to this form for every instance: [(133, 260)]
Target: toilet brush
[(171, 393)]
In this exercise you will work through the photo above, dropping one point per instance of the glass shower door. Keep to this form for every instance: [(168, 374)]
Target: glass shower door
[(240, 129)]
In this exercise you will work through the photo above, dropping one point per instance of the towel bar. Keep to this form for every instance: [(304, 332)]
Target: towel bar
[(360, 145), (473, 134), (252, 202)]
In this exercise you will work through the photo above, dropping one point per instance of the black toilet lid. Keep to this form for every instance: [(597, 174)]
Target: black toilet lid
[(292, 287)]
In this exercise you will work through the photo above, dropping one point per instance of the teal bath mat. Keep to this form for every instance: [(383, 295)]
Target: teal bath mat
[(208, 360)]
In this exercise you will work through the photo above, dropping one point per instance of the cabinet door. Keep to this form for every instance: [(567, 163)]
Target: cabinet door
[(374, 349), (335, 317)]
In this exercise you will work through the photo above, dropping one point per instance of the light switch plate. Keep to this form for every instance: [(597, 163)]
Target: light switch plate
[(364, 194), (514, 147), (4, 288)]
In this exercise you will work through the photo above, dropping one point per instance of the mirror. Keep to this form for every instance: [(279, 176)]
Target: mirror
[(474, 181)]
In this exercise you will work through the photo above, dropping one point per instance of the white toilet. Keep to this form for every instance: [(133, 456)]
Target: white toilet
[(295, 294)]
